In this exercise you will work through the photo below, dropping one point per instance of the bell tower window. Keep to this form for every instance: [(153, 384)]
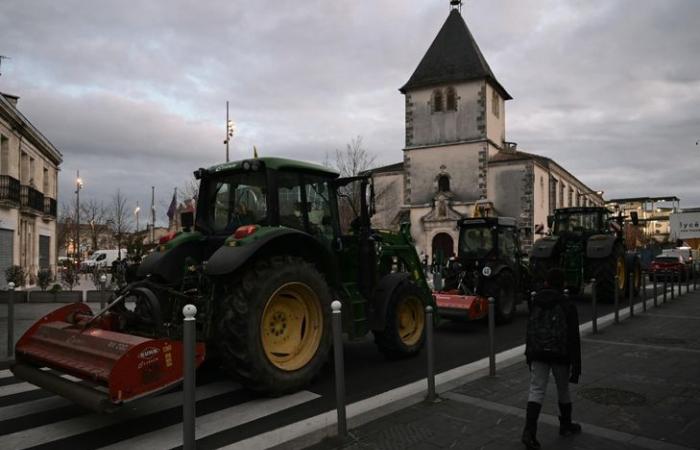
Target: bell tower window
[(444, 183), (437, 100), (451, 99)]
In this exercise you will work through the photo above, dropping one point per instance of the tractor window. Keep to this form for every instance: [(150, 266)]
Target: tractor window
[(577, 223), (238, 199), (290, 201), (476, 242), (320, 215), (506, 245)]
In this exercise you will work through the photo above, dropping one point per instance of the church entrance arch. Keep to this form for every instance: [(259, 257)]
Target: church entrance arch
[(443, 248)]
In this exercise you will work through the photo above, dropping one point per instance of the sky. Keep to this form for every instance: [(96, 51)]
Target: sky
[(133, 93)]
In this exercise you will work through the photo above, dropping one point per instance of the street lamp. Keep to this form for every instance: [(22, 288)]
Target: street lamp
[(78, 187)]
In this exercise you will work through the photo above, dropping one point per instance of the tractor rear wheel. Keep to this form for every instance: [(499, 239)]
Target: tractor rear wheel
[(634, 266), (275, 325), (604, 271), (502, 288), (404, 329)]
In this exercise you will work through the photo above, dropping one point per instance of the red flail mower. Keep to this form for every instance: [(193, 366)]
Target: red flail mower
[(82, 357)]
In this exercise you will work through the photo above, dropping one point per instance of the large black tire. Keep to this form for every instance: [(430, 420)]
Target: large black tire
[(633, 267), (253, 352), (604, 271), (404, 330), (503, 288)]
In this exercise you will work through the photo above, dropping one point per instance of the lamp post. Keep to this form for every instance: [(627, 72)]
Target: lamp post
[(136, 212), (78, 187), (230, 129)]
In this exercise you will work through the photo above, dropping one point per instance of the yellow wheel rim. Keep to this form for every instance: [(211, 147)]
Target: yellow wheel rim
[(292, 326), (411, 320), (620, 272)]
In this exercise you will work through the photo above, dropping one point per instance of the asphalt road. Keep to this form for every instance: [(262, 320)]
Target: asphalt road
[(32, 418)]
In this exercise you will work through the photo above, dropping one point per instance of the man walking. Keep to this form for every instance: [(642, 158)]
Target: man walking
[(553, 345)]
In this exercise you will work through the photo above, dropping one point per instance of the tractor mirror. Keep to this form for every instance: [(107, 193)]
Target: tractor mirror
[(635, 218), (550, 221), (187, 220)]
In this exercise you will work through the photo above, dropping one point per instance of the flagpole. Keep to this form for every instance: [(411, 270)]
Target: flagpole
[(175, 218), (153, 214)]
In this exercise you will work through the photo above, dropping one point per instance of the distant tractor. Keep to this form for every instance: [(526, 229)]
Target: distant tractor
[(488, 264), (262, 261), (588, 242)]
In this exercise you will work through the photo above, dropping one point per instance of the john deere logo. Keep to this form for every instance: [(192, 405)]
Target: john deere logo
[(148, 353)]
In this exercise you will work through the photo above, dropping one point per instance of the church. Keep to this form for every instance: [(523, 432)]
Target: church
[(457, 162)]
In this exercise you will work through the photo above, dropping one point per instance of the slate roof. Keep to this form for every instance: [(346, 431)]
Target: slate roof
[(452, 57)]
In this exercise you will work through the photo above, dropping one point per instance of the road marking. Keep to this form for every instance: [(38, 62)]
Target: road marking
[(22, 386), (605, 433), (634, 344), (217, 421), (70, 427), (32, 407), (6, 374), (673, 316)]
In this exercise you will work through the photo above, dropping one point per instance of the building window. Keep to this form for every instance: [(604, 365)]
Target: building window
[(444, 183), (495, 103), (4, 155), (437, 100), (45, 180), (571, 196), (451, 99), (541, 192)]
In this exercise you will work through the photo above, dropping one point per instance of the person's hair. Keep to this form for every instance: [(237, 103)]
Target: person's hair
[(555, 278)]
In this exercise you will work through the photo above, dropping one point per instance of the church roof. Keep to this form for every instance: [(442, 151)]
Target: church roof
[(453, 56)]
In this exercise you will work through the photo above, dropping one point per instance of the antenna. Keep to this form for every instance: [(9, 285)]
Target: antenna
[(1, 58)]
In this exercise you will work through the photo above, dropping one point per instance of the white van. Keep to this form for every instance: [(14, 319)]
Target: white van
[(102, 259)]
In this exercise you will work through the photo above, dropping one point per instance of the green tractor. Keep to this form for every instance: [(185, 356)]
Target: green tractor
[(262, 261), (587, 242)]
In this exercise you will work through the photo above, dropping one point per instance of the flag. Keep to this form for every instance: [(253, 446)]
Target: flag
[(172, 207), (255, 152)]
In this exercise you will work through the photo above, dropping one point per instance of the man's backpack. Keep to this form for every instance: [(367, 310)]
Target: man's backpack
[(547, 333)]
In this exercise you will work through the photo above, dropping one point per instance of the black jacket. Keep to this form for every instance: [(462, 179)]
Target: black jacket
[(548, 298)]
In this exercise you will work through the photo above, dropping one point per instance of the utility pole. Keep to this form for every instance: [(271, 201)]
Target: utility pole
[(153, 214)]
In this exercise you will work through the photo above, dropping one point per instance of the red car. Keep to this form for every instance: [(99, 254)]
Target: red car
[(668, 266)]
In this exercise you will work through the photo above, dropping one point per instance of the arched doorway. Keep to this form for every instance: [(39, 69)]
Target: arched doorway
[(443, 248)]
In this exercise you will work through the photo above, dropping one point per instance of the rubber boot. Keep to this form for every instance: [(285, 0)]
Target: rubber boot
[(566, 426), (530, 432)]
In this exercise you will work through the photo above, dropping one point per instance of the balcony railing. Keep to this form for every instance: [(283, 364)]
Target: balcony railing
[(31, 198), (50, 206), (9, 189)]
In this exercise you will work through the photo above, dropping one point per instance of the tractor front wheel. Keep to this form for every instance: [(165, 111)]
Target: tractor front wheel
[(404, 330), (275, 325), (502, 288), (604, 271)]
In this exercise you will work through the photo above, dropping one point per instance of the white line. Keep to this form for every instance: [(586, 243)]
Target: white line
[(649, 346), (22, 386), (6, 374), (673, 316), (217, 421), (83, 424), (31, 407)]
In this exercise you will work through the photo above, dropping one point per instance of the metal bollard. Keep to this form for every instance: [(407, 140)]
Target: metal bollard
[(594, 306), (492, 332), (665, 286), (11, 320), (644, 291), (339, 368), (630, 288), (616, 299), (566, 293), (532, 300), (103, 280), (673, 285), (189, 337), (655, 291), (687, 281), (430, 343)]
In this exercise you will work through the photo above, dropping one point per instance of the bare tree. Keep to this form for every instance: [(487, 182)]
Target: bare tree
[(65, 225), (95, 215), (120, 219), (189, 189)]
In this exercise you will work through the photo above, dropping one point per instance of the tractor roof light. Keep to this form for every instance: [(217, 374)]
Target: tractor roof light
[(244, 231)]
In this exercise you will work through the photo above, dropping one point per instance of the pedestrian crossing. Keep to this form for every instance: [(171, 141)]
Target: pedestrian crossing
[(33, 418)]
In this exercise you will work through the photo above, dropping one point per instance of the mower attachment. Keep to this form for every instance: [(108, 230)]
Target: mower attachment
[(116, 367), (454, 304)]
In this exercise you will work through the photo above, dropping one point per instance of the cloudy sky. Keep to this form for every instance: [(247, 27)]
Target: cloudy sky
[(134, 96)]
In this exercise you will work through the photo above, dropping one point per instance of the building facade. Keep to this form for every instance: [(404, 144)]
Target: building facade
[(456, 160), (653, 214), (29, 166)]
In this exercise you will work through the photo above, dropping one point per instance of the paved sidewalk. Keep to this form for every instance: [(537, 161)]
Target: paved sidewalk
[(640, 388)]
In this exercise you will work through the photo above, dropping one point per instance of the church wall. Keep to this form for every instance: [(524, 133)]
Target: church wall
[(464, 163), (495, 123), (388, 194), (426, 127), (541, 200), (506, 188)]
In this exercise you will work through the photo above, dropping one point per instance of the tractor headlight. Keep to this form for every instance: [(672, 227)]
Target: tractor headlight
[(486, 271)]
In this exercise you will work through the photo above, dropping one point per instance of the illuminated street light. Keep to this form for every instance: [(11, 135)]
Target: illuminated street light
[(136, 212), (78, 187)]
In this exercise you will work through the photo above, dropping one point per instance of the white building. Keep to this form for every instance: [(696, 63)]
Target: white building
[(457, 162), (28, 192)]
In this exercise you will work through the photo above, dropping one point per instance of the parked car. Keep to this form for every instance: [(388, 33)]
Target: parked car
[(664, 265), (101, 259)]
